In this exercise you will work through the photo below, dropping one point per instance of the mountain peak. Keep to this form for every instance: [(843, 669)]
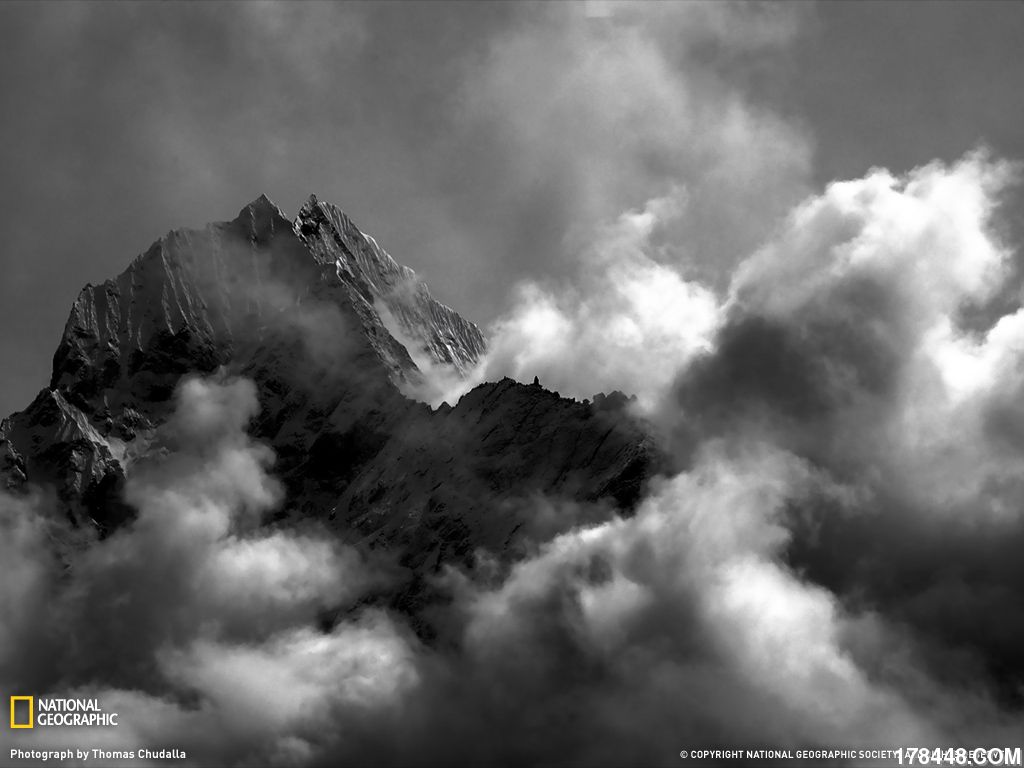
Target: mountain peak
[(263, 202), (261, 218), (196, 298), (263, 205), (330, 329)]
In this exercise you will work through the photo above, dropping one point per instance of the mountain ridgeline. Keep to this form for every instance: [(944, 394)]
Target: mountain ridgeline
[(329, 327)]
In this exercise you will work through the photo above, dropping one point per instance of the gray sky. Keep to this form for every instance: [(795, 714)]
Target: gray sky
[(481, 143)]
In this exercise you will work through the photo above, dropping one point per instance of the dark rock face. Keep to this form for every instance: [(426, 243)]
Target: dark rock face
[(328, 326), (479, 464)]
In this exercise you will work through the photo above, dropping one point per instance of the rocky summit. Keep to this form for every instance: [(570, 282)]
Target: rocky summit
[(333, 331)]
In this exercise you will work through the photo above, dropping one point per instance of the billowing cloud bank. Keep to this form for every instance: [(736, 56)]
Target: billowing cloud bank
[(834, 566), (196, 599), (837, 563)]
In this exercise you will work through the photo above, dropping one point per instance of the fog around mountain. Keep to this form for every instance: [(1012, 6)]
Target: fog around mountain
[(802, 534)]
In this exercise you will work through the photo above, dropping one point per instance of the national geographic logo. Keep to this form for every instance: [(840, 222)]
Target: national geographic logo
[(23, 716), (58, 712)]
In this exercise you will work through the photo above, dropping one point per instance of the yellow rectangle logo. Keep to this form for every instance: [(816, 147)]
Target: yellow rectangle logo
[(31, 712)]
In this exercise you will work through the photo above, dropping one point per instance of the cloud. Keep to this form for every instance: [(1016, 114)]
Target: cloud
[(590, 117), (844, 342), (620, 642), (683, 603), (627, 322), (843, 336), (195, 597), (624, 149), (289, 700), (835, 565)]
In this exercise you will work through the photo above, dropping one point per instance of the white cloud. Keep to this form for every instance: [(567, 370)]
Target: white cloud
[(628, 323)]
